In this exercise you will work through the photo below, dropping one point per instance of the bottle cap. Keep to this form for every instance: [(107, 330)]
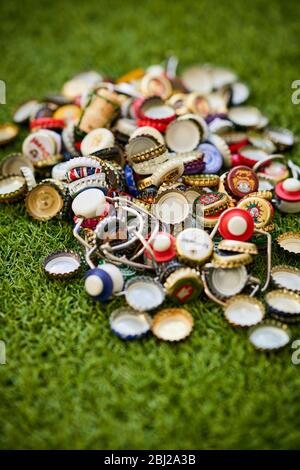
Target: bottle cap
[(183, 135), (243, 310), (155, 109), (201, 181), (46, 123), (212, 158), (95, 140), (227, 282), (283, 304), (169, 171), (210, 203), (98, 284), (260, 210), (239, 93), (29, 177), (12, 188), (194, 246), (8, 132), (80, 172), (199, 121), (290, 241), (171, 207), (39, 146), (197, 78), (139, 145), (24, 111), (129, 324), (288, 190), (282, 138), (154, 84), (93, 181), (269, 335), (241, 180), (148, 131), (238, 247), (172, 324), (144, 293), (183, 284), (286, 277), (89, 203), (223, 148), (149, 154), (130, 181), (236, 224), (198, 104), (163, 247), (11, 164), (68, 113), (275, 171), (259, 141), (229, 260), (245, 116), (250, 155), (44, 201), (62, 264)]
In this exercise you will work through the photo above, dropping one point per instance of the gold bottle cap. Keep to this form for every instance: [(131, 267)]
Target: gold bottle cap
[(286, 277), (44, 201), (12, 188), (243, 310), (172, 324), (11, 164), (148, 155), (169, 171), (8, 132), (259, 208), (194, 246), (238, 246), (290, 241), (211, 203), (51, 161), (231, 261), (283, 303), (158, 85), (269, 335), (201, 181), (145, 183), (184, 284), (262, 194)]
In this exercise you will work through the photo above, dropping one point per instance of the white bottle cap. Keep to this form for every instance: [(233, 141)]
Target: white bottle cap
[(89, 203)]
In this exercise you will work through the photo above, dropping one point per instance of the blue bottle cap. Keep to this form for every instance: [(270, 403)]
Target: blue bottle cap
[(130, 181), (98, 284), (212, 158)]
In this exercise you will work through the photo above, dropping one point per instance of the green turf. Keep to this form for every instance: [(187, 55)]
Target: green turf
[(68, 381)]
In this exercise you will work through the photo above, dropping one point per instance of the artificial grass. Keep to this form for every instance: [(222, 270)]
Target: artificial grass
[(68, 381)]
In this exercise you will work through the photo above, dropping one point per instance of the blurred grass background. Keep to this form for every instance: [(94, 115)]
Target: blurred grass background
[(68, 381)]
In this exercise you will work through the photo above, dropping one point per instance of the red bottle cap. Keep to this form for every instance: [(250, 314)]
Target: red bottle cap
[(47, 123), (236, 224), (165, 247), (242, 180), (288, 190)]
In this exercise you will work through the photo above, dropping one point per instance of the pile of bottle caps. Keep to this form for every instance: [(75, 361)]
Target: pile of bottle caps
[(171, 183)]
